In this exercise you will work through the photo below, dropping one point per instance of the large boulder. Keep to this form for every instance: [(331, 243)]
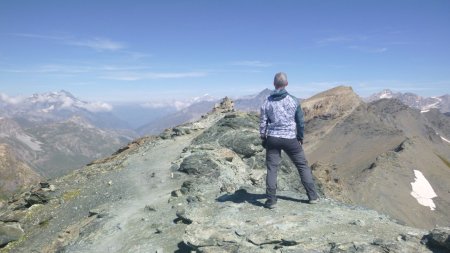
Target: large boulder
[(10, 232), (198, 163), (440, 237)]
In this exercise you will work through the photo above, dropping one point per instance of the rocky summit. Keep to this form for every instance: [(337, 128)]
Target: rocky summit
[(199, 187)]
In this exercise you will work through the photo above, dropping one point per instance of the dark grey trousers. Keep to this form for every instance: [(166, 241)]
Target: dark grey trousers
[(273, 159)]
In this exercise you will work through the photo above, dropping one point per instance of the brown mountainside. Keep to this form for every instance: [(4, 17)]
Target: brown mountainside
[(323, 111), (15, 174), (370, 153), (54, 149)]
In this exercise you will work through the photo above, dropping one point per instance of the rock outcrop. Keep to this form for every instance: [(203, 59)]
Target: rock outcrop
[(238, 223), (439, 238), (231, 218), (10, 232), (16, 175)]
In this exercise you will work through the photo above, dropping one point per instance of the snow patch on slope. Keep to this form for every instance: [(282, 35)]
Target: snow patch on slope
[(445, 139), (28, 140), (422, 190), (51, 108), (433, 105), (385, 95)]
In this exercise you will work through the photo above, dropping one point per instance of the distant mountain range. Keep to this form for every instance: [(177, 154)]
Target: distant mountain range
[(58, 106), (415, 101), (54, 133), (252, 103), (200, 187), (138, 115)]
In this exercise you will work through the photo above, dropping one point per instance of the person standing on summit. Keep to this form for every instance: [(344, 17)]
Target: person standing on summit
[(281, 128)]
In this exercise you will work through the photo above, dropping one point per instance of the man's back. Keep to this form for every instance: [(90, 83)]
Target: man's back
[(281, 116), (280, 111), (281, 128)]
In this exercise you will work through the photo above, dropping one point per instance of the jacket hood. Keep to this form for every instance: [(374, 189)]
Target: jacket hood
[(278, 95)]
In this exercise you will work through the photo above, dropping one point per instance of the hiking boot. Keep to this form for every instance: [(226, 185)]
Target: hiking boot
[(313, 201), (270, 204)]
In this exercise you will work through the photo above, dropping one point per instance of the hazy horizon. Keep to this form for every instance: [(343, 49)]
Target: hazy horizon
[(148, 50)]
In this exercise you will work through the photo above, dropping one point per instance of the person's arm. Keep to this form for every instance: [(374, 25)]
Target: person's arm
[(299, 123), (263, 122)]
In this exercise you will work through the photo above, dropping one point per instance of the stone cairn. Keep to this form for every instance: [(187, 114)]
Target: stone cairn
[(226, 105)]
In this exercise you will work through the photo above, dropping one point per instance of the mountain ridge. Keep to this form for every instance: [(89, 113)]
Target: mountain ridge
[(414, 101), (200, 186)]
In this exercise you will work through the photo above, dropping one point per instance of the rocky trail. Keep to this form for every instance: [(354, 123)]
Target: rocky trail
[(117, 204), (145, 212)]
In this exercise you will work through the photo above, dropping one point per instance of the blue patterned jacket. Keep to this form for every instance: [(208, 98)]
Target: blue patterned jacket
[(281, 116)]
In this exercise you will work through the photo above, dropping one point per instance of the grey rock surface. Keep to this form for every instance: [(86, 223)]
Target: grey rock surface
[(440, 238), (239, 222), (10, 232)]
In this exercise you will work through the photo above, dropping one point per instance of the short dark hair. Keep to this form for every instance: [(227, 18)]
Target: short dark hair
[(280, 80)]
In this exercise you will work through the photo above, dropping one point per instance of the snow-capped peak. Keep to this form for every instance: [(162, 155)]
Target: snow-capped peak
[(205, 97), (64, 100), (413, 100), (386, 94), (179, 104), (49, 103)]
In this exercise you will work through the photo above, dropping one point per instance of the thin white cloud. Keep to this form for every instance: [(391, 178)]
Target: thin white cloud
[(175, 75), (96, 43), (97, 107), (252, 64), (122, 68), (399, 43), (123, 77), (135, 76), (369, 49), (41, 36), (50, 68), (342, 39), (57, 68), (354, 42), (137, 55), (73, 69), (100, 44), (10, 100), (178, 105)]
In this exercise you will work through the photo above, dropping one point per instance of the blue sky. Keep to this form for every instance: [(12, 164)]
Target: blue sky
[(147, 50)]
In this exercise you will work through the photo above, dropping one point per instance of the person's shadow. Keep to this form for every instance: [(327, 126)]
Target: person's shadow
[(241, 196)]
